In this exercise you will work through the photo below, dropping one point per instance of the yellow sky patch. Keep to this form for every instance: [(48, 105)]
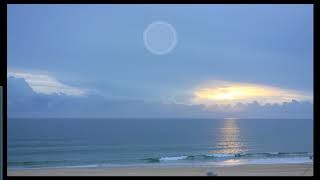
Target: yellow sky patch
[(230, 93)]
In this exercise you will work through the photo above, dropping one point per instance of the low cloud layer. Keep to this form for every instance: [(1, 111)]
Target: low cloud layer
[(23, 101), (43, 83)]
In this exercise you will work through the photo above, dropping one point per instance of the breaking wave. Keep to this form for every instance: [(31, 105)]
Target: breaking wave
[(229, 156)]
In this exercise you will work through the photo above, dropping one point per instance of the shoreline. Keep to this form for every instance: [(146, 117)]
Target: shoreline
[(299, 169)]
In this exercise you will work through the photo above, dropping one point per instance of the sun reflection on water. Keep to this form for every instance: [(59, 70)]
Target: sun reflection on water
[(229, 141), (232, 162)]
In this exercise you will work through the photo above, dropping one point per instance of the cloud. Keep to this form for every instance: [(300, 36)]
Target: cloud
[(43, 83), (223, 92), (291, 109), (24, 102)]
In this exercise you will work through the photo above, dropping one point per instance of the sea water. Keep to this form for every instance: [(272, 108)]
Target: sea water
[(79, 142)]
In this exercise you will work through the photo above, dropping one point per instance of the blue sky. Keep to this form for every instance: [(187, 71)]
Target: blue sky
[(99, 49)]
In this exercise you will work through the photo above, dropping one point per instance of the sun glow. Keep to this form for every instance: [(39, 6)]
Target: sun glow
[(236, 92), (233, 92)]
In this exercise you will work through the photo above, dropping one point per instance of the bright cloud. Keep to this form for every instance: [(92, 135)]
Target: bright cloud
[(43, 83), (231, 93)]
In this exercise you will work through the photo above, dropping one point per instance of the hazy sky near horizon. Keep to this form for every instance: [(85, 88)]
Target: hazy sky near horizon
[(260, 49)]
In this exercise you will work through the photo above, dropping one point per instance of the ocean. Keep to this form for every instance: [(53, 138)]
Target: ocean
[(80, 142)]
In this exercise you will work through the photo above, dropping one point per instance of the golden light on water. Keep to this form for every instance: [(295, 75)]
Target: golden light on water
[(232, 161), (229, 93), (230, 141)]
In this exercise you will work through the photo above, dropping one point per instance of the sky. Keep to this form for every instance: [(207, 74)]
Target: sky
[(222, 54)]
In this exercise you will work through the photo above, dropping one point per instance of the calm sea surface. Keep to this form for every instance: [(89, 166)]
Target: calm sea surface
[(41, 143)]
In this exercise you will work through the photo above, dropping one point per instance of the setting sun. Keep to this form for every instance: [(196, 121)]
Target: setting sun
[(236, 92), (233, 92)]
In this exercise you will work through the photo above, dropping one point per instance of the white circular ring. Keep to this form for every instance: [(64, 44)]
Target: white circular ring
[(172, 38)]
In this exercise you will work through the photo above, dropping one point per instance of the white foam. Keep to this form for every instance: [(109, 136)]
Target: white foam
[(274, 153), (221, 155), (173, 158), (80, 166), (292, 160)]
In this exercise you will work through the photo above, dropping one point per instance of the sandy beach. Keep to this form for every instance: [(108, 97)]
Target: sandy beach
[(239, 170)]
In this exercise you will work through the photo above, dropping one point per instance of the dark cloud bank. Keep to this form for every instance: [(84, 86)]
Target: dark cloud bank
[(24, 102)]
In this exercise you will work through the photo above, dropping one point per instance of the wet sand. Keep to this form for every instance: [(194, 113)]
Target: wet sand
[(239, 170)]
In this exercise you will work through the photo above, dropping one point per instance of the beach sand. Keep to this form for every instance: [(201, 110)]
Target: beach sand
[(238, 170)]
